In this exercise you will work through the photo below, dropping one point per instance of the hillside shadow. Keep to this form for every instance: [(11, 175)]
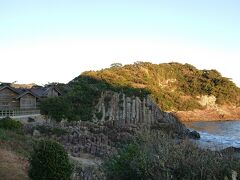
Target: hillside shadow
[(93, 83)]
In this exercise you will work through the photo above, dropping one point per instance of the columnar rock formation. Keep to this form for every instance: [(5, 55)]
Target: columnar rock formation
[(86, 138), (117, 118), (124, 110)]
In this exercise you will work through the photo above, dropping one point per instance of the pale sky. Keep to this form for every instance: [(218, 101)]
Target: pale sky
[(55, 40)]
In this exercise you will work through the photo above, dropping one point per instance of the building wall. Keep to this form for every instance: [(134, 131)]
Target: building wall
[(7, 99), (28, 102), (52, 93)]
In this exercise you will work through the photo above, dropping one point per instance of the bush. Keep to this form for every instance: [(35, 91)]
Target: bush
[(49, 160), (130, 163), (160, 157), (10, 124)]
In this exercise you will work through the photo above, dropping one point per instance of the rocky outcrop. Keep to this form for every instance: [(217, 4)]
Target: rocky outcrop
[(117, 119), (103, 139), (123, 110), (207, 101), (84, 137), (218, 113), (194, 135)]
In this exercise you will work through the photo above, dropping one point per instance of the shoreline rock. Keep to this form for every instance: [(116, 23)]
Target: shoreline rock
[(223, 113)]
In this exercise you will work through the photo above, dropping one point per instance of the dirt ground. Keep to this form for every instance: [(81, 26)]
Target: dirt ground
[(12, 167)]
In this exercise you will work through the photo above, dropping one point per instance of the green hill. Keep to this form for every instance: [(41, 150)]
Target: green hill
[(173, 86)]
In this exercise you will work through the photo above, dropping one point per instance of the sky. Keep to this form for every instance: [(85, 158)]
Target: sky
[(55, 40)]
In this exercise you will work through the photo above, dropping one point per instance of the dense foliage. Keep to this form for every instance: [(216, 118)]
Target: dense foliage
[(173, 86), (160, 157), (10, 124), (81, 98), (55, 108), (49, 160)]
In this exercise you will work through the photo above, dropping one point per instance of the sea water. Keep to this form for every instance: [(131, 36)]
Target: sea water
[(217, 134)]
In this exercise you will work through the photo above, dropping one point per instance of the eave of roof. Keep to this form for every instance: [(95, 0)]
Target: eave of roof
[(57, 90), (27, 92), (51, 87), (12, 89)]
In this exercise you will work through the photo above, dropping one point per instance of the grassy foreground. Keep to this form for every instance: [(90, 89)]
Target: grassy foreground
[(15, 149), (160, 157), (149, 156)]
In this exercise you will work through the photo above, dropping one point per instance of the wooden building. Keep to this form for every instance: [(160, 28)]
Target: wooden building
[(45, 92), (24, 98), (8, 98)]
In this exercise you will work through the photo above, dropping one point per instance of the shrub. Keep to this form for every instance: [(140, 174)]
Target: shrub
[(130, 163), (11, 124), (49, 160), (160, 157)]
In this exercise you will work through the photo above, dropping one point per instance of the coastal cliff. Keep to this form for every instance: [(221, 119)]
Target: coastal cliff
[(118, 118), (123, 110)]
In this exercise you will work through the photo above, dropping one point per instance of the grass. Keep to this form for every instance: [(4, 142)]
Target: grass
[(15, 149), (16, 141)]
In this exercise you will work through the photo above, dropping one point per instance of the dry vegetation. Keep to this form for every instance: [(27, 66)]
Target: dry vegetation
[(159, 157), (12, 166), (15, 149)]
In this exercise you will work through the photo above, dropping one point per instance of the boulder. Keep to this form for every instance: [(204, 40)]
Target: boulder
[(231, 150), (194, 135), (36, 133)]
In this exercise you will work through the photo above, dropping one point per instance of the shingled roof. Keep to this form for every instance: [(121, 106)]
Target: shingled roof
[(26, 92), (42, 91), (37, 91), (9, 87)]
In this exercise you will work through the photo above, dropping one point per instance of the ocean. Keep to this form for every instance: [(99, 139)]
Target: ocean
[(217, 135)]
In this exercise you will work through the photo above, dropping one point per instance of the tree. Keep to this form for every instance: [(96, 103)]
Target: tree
[(115, 65), (49, 160), (55, 108)]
